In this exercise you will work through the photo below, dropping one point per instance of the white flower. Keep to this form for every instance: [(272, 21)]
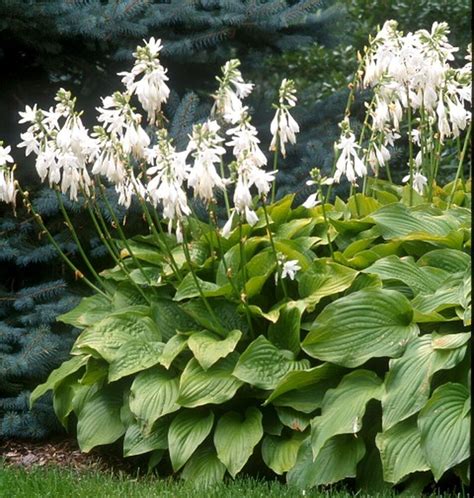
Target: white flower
[(232, 89), (288, 269), (349, 163), (205, 148), (166, 186), (7, 186), (5, 155), (29, 115), (378, 156), (419, 181), (152, 90), (283, 127), (311, 201)]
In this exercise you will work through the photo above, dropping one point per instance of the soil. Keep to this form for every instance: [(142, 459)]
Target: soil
[(62, 453)]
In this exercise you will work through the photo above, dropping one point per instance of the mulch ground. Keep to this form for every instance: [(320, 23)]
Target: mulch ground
[(59, 453)]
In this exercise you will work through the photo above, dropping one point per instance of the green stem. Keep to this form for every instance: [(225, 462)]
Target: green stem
[(77, 241), (272, 243), (410, 149), (226, 197), (434, 166), (220, 328), (326, 222), (120, 231), (71, 265), (461, 161), (112, 251), (275, 166)]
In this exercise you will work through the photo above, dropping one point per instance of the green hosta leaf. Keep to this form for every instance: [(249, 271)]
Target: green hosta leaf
[(306, 399), (294, 227), (280, 210), (204, 469), (294, 419), (169, 318), (279, 452), (173, 347), (444, 423), (236, 437), (367, 324), (407, 384), (107, 336), (344, 407), (136, 442), (88, 312), (396, 220), (400, 451), (293, 249), (285, 333), (134, 356), (57, 376), (99, 419), (188, 289), (198, 252), (324, 279), (337, 460), (215, 385), (208, 348), (419, 279), (187, 431), (263, 365), (96, 371), (63, 398), (361, 205), (300, 379), (153, 394), (449, 260)]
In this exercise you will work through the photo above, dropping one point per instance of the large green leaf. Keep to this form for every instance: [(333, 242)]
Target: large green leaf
[(450, 260), (400, 451), (169, 318), (134, 356), (99, 419), (58, 375), (366, 324), (344, 407), (235, 438), (215, 385), (208, 347), (300, 379), (292, 418), (444, 424), (153, 394), (188, 288), (323, 279), (107, 336), (337, 460), (419, 279), (187, 431), (396, 220), (407, 384), (263, 365), (204, 469), (136, 442), (172, 349), (88, 312), (279, 452), (285, 333)]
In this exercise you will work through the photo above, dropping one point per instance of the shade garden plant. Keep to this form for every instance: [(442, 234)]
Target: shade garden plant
[(322, 341)]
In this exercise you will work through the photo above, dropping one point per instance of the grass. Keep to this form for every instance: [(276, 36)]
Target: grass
[(64, 483)]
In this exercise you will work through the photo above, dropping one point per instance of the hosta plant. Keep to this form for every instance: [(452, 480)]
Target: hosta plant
[(324, 341)]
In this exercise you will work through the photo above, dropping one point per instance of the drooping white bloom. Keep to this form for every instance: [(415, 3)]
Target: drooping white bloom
[(63, 150), (419, 181), (378, 156), (232, 89), (283, 126), (348, 163), (169, 173), (7, 181), (151, 90), (290, 269), (5, 156), (206, 149)]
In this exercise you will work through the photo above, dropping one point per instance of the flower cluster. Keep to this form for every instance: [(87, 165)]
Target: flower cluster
[(62, 144), (283, 127), (7, 182)]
